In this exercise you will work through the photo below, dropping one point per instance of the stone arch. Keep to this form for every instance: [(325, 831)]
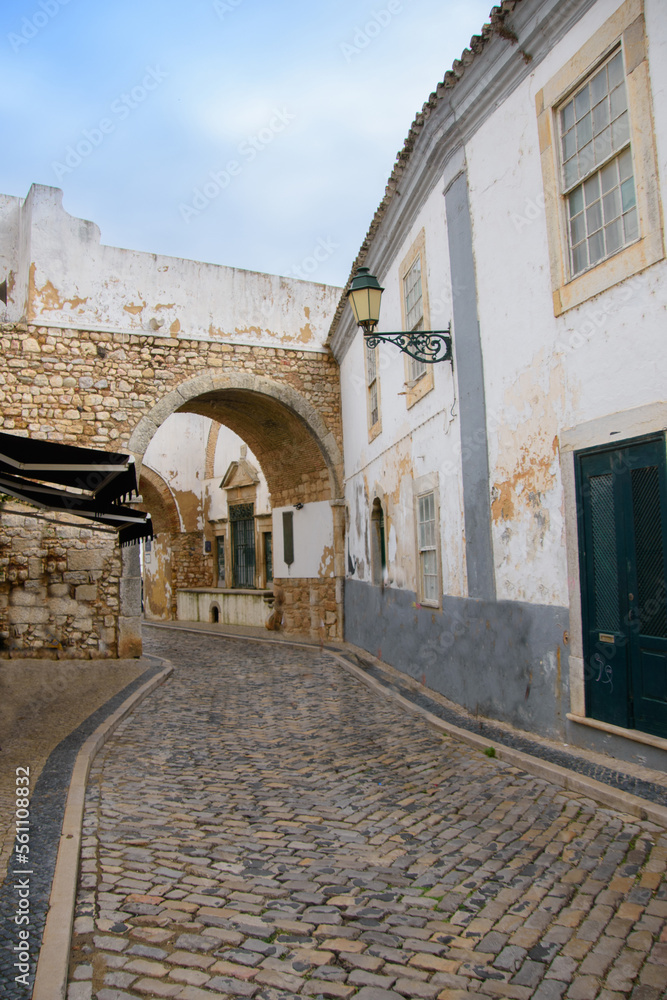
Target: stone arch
[(299, 454), (300, 457), (159, 501), (211, 444)]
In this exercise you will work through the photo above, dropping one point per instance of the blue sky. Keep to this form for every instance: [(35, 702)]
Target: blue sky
[(238, 132)]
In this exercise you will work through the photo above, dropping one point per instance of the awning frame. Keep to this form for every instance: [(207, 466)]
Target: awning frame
[(95, 482)]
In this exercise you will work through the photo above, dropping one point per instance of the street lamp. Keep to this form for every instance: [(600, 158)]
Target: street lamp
[(428, 346)]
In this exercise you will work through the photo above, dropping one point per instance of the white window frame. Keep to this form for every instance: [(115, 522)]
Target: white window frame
[(414, 315), (625, 28), (418, 376), (597, 162), (372, 369), (427, 486)]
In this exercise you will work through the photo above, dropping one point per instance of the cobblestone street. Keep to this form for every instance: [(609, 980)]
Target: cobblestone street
[(265, 826)]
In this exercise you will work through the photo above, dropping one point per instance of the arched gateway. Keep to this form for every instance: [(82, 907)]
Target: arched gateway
[(302, 463), (100, 346)]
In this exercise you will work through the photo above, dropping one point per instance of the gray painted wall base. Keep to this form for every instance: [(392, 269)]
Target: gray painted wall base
[(500, 659)]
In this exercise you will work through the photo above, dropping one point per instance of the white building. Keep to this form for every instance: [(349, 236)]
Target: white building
[(507, 513)]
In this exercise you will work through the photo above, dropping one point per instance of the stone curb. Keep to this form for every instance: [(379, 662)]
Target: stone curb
[(572, 782), (277, 640), (53, 961)]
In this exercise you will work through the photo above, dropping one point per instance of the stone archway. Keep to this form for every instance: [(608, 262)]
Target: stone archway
[(301, 460), (272, 417)]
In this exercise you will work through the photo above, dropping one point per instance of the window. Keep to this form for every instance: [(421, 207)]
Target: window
[(414, 312), (599, 163), (220, 550), (597, 175), (268, 556), (372, 391), (415, 316), (428, 553), (378, 550), (288, 536), (242, 521)]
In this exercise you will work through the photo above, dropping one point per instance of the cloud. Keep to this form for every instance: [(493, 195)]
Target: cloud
[(323, 175)]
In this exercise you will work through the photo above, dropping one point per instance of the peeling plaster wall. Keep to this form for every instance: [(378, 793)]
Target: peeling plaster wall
[(10, 214), (541, 378), (414, 442), (73, 279), (157, 573), (177, 453), (313, 542), (546, 373)]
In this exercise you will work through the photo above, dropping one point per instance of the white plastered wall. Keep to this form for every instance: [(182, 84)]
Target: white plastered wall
[(544, 375), (313, 542), (60, 274), (414, 442)]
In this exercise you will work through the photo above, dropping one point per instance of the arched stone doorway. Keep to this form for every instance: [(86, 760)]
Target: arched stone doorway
[(301, 460)]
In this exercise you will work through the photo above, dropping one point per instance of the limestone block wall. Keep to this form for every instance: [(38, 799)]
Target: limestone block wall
[(59, 587), (311, 606), (111, 390), (190, 566), (91, 388)]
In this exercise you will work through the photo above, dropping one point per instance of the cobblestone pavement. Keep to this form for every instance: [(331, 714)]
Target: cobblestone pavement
[(265, 826)]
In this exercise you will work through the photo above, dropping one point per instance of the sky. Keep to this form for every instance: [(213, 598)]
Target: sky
[(249, 133)]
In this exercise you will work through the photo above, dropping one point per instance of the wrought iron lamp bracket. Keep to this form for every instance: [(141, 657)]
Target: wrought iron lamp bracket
[(428, 346)]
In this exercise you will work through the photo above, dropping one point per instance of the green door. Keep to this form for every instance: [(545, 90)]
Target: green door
[(241, 517), (622, 505)]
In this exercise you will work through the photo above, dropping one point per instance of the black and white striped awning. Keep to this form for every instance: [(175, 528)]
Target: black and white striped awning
[(97, 484)]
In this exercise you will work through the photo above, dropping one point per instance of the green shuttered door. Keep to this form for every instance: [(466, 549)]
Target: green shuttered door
[(622, 505)]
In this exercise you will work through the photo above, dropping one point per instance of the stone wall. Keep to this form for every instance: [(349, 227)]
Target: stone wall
[(91, 388), (311, 607), (190, 566), (59, 587), (102, 389)]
